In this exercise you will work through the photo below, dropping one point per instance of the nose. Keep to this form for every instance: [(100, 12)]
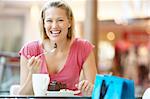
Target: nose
[(54, 24)]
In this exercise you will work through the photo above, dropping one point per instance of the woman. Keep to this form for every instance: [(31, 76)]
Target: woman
[(59, 54)]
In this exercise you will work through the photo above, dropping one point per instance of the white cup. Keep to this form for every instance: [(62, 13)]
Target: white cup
[(146, 94), (40, 84)]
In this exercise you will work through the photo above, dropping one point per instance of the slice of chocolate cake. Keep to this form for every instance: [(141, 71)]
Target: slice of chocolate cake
[(56, 86)]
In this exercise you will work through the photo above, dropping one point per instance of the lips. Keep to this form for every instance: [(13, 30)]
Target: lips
[(55, 33)]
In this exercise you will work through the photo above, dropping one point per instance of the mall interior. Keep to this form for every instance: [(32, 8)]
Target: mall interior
[(119, 29)]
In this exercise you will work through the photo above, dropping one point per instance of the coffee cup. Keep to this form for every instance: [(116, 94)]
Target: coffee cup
[(40, 84)]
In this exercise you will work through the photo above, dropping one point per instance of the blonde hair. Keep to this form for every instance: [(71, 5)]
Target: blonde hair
[(58, 4)]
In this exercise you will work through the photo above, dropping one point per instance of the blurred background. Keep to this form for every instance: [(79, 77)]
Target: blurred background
[(119, 29)]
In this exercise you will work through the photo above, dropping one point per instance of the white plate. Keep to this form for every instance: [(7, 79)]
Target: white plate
[(61, 93)]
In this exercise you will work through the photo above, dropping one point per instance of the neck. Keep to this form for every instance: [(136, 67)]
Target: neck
[(62, 45)]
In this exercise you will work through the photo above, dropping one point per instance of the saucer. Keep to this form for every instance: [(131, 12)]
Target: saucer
[(62, 92)]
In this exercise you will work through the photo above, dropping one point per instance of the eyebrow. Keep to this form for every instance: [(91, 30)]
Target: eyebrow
[(57, 18)]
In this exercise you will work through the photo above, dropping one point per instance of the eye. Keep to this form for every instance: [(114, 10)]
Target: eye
[(60, 20), (48, 20)]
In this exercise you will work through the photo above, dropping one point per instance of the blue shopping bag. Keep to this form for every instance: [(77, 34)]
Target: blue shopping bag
[(112, 87)]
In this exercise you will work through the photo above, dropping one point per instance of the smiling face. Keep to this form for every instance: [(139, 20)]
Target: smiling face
[(56, 24)]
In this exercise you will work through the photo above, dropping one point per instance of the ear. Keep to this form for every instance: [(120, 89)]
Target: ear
[(69, 24)]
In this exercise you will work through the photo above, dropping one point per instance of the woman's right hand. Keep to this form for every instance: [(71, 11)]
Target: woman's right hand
[(33, 64)]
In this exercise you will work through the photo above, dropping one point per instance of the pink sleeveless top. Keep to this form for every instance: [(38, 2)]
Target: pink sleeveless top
[(79, 51)]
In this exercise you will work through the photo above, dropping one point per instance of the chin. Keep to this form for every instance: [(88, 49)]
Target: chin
[(54, 39)]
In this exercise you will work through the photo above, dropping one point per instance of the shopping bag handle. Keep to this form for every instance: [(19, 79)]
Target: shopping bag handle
[(103, 90)]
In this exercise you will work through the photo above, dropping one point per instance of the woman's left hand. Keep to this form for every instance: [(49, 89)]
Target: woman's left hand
[(85, 87)]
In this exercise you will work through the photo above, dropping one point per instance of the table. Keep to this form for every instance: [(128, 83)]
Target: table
[(49, 97), (45, 97)]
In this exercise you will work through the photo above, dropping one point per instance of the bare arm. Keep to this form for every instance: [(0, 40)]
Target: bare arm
[(89, 73), (26, 70), (89, 68)]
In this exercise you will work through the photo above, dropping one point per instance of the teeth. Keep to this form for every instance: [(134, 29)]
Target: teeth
[(55, 32)]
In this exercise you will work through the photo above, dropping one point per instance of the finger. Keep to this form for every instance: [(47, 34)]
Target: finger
[(35, 60), (37, 65), (76, 92), (89, 92), (76, 85), (91, 88), (38, 62), (87, 88), (37, 57), (32, 63), (31, 60), (80, 84), (85, 85)]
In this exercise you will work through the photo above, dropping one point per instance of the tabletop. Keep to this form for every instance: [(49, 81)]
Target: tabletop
[(45, 97)]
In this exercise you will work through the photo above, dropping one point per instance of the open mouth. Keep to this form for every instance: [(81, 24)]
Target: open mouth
[(55, 33)]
